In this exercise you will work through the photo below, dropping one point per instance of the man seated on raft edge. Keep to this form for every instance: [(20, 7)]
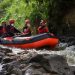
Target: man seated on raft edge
[(43, 28), (27, 28), (9, 30), (3, 29)]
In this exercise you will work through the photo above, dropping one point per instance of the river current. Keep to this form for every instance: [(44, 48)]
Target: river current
[(61, 49)]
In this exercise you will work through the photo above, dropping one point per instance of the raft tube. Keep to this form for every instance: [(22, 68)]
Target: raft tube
[(37, 41)]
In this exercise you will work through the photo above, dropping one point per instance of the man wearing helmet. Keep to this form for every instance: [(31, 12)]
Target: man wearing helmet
[(3, 29), (11, 30), (26, 28), (43, 27)]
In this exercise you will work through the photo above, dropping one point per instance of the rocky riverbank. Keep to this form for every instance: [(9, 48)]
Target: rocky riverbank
[(33, 63)]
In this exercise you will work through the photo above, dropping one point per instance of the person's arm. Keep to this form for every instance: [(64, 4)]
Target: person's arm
[(46, 29), (16, 30)]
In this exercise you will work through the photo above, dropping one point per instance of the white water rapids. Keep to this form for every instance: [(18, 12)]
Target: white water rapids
[(68, 52)]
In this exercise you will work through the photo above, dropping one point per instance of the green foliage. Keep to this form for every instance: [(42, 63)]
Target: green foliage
[(5, 3), (53, 10), (22, 9)]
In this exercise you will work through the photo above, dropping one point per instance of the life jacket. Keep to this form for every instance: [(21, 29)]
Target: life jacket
[(42, 29), (26, 30), (4, 30), (12, 29)]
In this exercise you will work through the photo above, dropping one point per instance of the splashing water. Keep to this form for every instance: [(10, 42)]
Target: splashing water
[(68, 52), (14, 50), (1, 67)]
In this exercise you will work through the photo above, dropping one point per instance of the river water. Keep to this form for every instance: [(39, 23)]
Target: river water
[(63, 49)]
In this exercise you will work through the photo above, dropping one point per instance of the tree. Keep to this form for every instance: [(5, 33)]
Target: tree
[(52, 10)]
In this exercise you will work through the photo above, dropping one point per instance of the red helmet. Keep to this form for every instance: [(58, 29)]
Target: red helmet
[(11, 21), (27, 21)]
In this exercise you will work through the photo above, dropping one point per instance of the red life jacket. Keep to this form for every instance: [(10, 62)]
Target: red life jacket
[(26, 30), (42, 29), (1, 32), (4, 30), (12, 29)]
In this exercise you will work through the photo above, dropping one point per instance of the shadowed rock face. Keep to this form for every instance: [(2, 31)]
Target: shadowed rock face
[(69, 19), (35, 64), (48, 64), (70, 40)]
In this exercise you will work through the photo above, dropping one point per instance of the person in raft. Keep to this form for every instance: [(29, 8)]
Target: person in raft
[(26, 28), (11, 30), (43, 27), (3, 31)]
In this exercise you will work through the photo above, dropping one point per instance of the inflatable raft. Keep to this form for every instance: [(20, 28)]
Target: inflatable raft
[(37, 41)]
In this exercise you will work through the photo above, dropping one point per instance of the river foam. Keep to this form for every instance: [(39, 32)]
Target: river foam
[(68, 52)]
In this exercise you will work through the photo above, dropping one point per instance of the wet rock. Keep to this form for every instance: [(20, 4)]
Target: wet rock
[(7, 59), (36, 64), (33, 71), (72, 68), (2, 54), (9, 69), (13, 74), (16, 71), (61, 46), (0, 59), (24, 52), (34, 68), (62, 38), (22, 66), (70, 40), (10, 65), (58, 64), (8, 50), (13, 71), (1, 73), (54, 64), (10, 54), (5, 50), (71, 43)]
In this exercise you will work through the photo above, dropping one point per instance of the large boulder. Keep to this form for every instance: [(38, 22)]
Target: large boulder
[(48, 64), (39, 64)]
